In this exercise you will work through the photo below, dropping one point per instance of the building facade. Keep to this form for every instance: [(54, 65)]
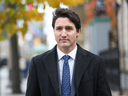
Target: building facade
[(122, 21)]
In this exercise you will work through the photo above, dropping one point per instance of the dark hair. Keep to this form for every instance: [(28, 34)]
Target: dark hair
[(64, 12)]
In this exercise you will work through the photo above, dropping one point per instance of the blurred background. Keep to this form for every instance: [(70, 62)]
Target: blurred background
[(25, 31)]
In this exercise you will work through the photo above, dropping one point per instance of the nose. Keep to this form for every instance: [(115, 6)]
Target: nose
[(64, 33)]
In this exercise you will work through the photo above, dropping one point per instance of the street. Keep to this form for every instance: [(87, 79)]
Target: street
[(5, 90)]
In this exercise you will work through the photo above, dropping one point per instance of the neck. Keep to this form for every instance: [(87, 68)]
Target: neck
[(67, 50)]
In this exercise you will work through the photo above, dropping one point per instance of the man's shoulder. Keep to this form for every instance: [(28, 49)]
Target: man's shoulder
[(89, 54), (93, 56), (45, 53), (41, 55)]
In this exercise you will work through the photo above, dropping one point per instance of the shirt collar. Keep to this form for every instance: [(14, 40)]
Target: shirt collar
[(72, 54)]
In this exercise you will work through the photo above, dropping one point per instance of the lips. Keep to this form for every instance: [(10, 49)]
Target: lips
[(64, 40)]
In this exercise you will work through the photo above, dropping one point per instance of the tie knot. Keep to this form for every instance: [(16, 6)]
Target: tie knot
[(65, 57)]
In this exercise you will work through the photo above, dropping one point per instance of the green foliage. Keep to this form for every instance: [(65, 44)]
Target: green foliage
[(19, 11), (2, 37)]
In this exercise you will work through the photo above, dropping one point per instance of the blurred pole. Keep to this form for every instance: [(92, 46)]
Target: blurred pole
[(121, 45), (14, 70), (122, 51), (14, 56), (127, 1), (116, 10)]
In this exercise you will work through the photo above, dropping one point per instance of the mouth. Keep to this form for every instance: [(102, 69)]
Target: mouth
[(63, 40)]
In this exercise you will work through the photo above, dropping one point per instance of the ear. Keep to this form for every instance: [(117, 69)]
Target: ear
[(78, 32)]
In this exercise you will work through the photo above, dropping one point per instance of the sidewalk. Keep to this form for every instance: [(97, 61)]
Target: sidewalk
[(4, 82), (6, 91)]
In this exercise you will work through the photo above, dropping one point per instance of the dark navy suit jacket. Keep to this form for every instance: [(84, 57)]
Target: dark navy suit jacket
[(89, 75)]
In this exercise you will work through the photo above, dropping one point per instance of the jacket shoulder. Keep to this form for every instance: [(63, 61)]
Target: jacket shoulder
[(89, 54), (40, 56)]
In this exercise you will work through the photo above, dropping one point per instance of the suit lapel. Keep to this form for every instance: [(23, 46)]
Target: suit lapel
[(82, 62), (50, 62)]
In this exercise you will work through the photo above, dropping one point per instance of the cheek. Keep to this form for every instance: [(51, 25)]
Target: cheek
[(56, 36), (74, 35)]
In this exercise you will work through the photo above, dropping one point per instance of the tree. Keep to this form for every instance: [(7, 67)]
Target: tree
[(90, 9), (25, 10), (9, 17)]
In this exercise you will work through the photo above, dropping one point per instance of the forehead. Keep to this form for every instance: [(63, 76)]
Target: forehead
[(64, 21)]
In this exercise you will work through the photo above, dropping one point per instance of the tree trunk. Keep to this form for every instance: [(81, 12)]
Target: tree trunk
[(15, 71)]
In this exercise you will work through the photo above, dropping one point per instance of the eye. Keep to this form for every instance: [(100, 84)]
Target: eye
[(68, 28), (59, 28)]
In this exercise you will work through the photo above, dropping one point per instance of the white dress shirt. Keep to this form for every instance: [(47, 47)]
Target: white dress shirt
[(71, 62)]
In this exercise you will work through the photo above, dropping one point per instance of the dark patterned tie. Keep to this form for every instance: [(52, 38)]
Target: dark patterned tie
[(66, 77)]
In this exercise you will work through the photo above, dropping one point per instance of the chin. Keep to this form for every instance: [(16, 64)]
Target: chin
[(64, 45)]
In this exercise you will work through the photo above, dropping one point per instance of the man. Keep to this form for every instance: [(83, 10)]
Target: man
[(67, 69)]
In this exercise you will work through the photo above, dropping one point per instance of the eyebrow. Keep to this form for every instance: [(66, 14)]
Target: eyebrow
[(69, 26), (62, 26)]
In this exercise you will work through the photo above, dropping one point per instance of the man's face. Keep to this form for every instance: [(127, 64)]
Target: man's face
[(65, 34)]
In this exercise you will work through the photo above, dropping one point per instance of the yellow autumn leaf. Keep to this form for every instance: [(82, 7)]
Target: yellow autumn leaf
[(44, 6), (39, 16), (72, 2), (2, 17), (75, 2), (10, 29), (18, 1), (11, 12), (24, 29), (42, 1), (22, 13), (7, 1), (12, 1), (54, 3), (14, 26), (18, 15), (30, 1), (67, 2), (18, 29), (6, 10), (2, 37), (86, 1), (81, 1), (28, 16), (33, 14), (1, 30)]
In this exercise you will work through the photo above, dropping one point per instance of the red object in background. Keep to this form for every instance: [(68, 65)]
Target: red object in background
[(30, 6), (109, 8), (89, 10)]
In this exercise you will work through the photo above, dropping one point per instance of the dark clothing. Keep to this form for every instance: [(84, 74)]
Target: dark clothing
[(89, 77)]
